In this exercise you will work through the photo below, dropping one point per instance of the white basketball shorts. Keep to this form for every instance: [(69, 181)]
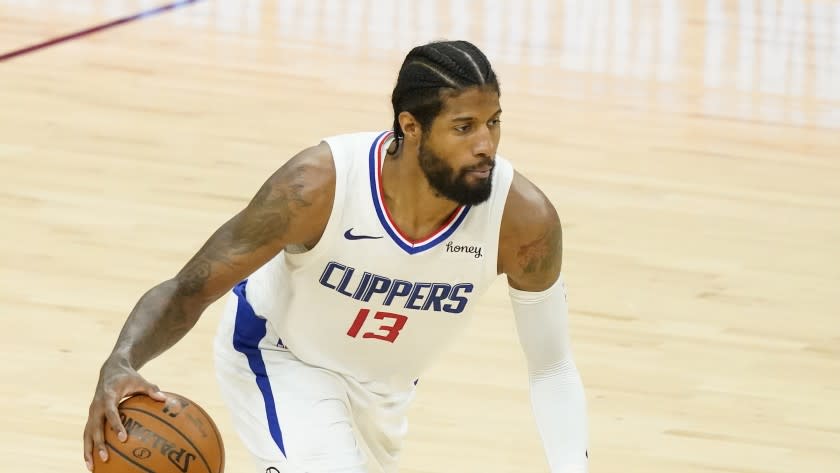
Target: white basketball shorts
[(297, 418)]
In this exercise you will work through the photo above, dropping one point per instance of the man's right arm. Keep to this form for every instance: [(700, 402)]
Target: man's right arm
[(292, 207)]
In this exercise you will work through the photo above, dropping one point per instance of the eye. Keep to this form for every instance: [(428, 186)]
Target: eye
[(495, 122), (462, 128)]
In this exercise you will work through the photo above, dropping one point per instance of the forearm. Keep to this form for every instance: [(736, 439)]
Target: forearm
[(559, 405), (162, 316), (557, 395)]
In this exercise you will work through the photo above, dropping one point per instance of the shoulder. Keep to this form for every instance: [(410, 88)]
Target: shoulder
[(527, 205), (310, 172), (355, 140), (530, 239), (299, 195)]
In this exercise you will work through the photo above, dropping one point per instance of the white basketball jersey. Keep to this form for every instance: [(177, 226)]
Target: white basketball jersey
[(368, 301)]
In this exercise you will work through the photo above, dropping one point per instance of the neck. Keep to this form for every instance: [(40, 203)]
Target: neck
[(415, 207)]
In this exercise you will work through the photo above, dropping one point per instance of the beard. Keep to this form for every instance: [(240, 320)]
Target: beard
[(452, 184)]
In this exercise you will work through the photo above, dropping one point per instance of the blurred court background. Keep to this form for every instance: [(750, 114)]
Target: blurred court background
[(692, 149)]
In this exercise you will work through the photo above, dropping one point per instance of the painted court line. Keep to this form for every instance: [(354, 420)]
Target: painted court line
[(95, 29)]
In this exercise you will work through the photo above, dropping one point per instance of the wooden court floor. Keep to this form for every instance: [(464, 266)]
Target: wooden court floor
[(692, 149)]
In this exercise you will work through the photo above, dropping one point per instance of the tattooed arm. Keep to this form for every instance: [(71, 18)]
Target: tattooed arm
[(530, 253), (530, 241), (292, 207)]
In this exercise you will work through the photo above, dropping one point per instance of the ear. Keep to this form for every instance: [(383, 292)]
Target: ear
[(410, 126)]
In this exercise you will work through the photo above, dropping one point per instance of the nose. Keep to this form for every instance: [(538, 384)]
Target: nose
[(484, 145)]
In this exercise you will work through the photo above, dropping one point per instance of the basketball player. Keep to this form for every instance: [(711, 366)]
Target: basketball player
[(353, 267)]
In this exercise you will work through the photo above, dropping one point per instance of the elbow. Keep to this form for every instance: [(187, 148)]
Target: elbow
[(179, 293)]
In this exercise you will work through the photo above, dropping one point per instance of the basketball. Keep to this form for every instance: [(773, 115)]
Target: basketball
[(176, 436)]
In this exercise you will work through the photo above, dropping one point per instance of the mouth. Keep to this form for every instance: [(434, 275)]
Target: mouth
[(481, 171)]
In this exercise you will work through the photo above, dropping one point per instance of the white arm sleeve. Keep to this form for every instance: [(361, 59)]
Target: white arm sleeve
[(557, 396)]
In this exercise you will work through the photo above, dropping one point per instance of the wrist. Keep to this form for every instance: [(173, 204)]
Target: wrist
[(120, 358)]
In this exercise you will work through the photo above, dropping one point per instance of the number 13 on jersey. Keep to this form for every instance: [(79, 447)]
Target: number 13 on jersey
[(386, 331)]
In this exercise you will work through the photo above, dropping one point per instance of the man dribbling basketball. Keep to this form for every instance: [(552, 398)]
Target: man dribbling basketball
[(353, 267)]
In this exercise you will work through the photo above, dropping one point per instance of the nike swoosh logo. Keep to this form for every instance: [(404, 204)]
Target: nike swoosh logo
[(349, 235)]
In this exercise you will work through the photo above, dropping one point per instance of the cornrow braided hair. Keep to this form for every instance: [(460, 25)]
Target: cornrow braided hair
[(431, 69)]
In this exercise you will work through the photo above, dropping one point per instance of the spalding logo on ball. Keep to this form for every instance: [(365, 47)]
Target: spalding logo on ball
[(176, 436), (142, 453)]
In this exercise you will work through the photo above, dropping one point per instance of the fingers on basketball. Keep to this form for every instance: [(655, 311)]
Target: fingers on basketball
[(175, 436)]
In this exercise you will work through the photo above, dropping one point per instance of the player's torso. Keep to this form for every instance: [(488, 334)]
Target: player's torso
[(367, 301)]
